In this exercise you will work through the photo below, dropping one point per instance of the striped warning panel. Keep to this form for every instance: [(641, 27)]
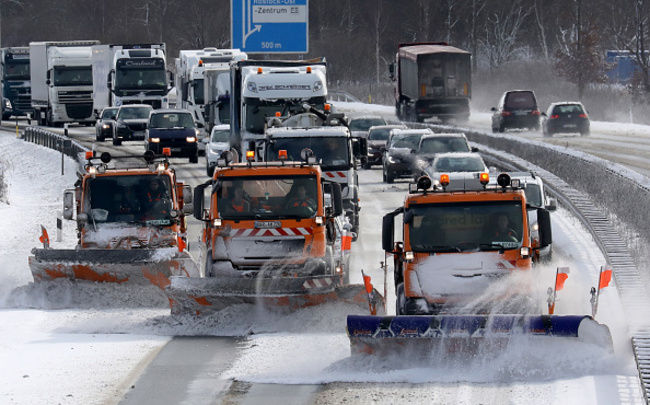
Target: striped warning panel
[(336, 175), (272, 232), (317, 283)]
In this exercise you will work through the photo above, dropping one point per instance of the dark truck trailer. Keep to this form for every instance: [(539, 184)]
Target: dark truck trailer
[(432, 80)]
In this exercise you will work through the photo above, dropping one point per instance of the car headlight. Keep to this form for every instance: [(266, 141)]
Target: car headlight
[(154, 140), (191, 139), (392, 159), (106, 126)]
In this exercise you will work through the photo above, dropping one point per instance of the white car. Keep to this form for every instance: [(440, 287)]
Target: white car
[(218, 143), (464, 169)]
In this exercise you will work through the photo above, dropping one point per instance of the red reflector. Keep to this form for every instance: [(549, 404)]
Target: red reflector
[(506, 113), (89, 154), (167, 151), (535, 112)]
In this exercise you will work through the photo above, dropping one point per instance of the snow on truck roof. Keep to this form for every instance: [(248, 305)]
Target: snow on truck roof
[(413, 51), (287, 132)]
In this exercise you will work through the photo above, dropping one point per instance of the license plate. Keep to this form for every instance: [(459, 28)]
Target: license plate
[(569, 125), (267, 224), (521, 113), (139, 133), (175, 149)]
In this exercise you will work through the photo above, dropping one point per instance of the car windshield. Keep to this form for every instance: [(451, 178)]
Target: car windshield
[(220, 135), (137, 198), (364, 124), (409, 141), (568, 109), (132, 113), (171, 120), (267, 198), (109, 113), (332, 152), (459, 164), (520, 99), (471, 226), (443, 145), (379, 134)]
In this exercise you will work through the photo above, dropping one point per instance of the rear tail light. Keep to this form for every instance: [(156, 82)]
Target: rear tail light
[(583, 116), (506, 113), (554, 117), (535, 112)]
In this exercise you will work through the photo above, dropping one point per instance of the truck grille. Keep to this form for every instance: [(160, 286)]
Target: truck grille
[(67, 97), (79, 111), (23, 102)]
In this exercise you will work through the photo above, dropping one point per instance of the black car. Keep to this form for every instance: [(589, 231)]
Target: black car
[(105, 122), (517, 109), (131, 122), (399, 157), (565, 117), (377, 138), (173, 129)]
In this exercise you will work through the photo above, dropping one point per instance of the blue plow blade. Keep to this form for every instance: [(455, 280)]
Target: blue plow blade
[(390, 334)]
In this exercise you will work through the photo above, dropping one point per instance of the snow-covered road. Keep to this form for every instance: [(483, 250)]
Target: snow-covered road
[(93, 352)]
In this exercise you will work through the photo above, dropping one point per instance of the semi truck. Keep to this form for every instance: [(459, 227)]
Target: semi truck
[(260, 89), (16, 86), (195, 92), (62, 82), (130, 74), (431, 80)]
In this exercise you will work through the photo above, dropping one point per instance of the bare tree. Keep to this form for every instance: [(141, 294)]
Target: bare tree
[(502, 27)]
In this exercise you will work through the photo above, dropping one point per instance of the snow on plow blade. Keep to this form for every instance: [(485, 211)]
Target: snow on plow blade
[(465, 333), (113, 266), (203, 296)]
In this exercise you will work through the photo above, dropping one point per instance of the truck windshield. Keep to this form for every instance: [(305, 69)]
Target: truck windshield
[(17, 70), (459, 227), (267, 198), (141, 74), (257, 110), (73, 76), (140, 199), (333, 153)]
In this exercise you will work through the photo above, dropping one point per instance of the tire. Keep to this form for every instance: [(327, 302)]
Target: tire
[(390, 177), (585, 133), (366, 166), (501, 128), (208, 263), (400, 300), (117, 142), (383, 175), (194, 159), (5, 117)]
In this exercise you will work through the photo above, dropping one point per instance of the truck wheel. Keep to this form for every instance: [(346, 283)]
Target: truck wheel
[(400, 300), (5, 117)]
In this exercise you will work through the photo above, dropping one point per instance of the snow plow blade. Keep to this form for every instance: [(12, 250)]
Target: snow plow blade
[(203, 296), (465, 333), (112, 266)]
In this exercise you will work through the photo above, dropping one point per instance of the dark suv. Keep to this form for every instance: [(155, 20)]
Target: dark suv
[(399, 157), (174, 129), (131, 122), (516, 109)]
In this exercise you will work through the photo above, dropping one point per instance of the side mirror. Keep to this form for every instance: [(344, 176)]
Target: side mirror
[(198, 201), (337, 200), (387, 233), (68, 204), (544, 222), (493, 109), (552, 204)]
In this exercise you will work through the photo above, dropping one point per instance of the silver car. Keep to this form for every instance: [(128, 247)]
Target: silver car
[(218, 143)]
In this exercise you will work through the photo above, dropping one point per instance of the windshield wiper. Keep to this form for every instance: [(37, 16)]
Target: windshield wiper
[(491, 246), (437, 248)]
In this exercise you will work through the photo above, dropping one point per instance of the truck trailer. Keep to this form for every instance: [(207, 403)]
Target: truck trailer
[(432, 80)]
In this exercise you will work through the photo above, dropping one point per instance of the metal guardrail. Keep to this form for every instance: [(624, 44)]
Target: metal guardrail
[(52, 140)]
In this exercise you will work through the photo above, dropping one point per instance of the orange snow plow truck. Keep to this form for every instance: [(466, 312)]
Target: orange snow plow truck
[(463, 274), (130, 224), (275, 235)]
